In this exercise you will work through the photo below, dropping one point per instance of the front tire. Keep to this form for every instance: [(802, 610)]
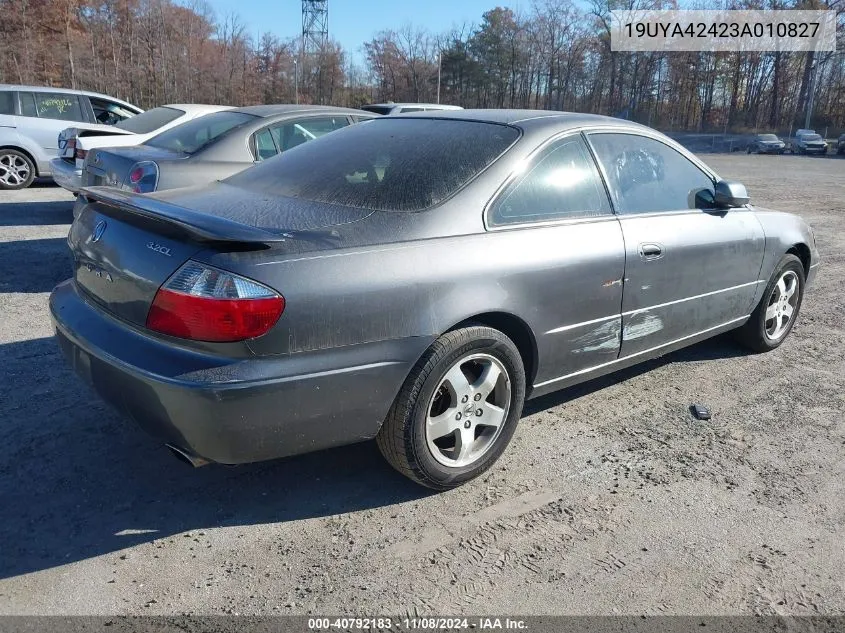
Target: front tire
[(773, 318), (17, 171), (457, 410)]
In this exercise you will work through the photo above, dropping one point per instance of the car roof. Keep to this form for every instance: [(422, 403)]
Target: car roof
[(441, 106), (193, 108), (86, 93), (289, 108), (524, 118)]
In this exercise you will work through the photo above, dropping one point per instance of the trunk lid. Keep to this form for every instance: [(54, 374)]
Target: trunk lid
[(125, 245), (69, 136), (110, 167)]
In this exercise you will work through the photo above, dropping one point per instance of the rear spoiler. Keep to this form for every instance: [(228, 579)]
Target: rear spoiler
[(179, 221)]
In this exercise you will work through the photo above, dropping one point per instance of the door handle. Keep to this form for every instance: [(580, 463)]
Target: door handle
[(651, 251)]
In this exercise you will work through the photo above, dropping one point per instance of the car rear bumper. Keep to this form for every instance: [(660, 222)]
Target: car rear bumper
[(66, 174), (232, 410)]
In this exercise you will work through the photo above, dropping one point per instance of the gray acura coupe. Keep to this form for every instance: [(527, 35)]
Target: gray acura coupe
[(414, 279)]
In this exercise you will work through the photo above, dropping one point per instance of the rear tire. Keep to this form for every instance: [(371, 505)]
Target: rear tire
[(775, 315), (457, 410), (17, 171)]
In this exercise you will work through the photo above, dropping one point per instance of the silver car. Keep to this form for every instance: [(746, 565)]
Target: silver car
[(414, 279), (213, 146), (31, 119)]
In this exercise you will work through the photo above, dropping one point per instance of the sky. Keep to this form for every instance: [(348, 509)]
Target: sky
[(353, 22)]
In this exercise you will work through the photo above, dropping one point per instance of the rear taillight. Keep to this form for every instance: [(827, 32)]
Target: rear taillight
[(81, 153), (203, 303), (143, 177)]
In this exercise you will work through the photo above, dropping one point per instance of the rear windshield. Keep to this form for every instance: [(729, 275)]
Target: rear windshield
[(378, 109), (150, 120), (387, 164), (192, 136)]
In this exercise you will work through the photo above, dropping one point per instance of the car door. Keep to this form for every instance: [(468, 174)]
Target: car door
[(689, 267), (47, 114), (555, 217)]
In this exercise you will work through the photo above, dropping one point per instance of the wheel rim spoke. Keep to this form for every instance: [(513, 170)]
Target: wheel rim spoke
[(771, 312), (790, 289), (487, 381), (464, 446), (443, 424), (457, 381), (491, 415)]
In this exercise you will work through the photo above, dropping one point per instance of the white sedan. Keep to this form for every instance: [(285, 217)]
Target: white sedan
[(75, 142)]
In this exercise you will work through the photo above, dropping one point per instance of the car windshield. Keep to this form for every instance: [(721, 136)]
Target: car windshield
[(192, 136), (768, 137), (150, 120), (387, 164), (811, 137)]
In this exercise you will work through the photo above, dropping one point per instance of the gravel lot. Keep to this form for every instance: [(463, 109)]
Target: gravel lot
[(610, 499)]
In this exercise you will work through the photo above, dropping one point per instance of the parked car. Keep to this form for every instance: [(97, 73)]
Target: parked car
[(413, 279), (766, 144), (31, 118), (213, 146), (809, 143), (75, 142), (405, 108), (840, 144)]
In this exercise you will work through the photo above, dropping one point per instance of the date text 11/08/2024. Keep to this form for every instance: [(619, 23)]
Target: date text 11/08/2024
[(416, 624)]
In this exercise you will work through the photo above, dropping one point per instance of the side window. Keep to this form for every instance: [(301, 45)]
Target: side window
[(562, 183), (27, 104), (649, 176), (55, 105), (411, 109), (108, 112), (7, 102), (264, 146), (289, 135)]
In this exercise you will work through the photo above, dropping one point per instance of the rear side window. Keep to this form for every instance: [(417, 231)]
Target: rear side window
[(150, 121), (56, 105), (289, 135), (7, 102), (108, 112), (193, 135), (27, 104), (649, 176), (562, 183), (264, 146), (387, 164)]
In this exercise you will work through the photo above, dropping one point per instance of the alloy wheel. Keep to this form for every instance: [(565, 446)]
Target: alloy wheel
[(14, 170), (468, 410), (782, 305)]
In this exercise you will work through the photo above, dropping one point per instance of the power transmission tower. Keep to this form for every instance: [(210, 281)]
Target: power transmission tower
[(315, 25)]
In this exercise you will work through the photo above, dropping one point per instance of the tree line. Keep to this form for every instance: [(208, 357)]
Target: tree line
[(554, 55)]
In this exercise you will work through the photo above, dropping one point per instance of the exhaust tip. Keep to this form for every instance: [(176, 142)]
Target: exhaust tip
[(195, 461)]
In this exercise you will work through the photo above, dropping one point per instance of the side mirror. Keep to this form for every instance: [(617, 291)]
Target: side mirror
[(731, 194)]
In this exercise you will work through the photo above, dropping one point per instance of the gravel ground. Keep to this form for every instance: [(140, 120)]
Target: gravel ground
[(610, 499)]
